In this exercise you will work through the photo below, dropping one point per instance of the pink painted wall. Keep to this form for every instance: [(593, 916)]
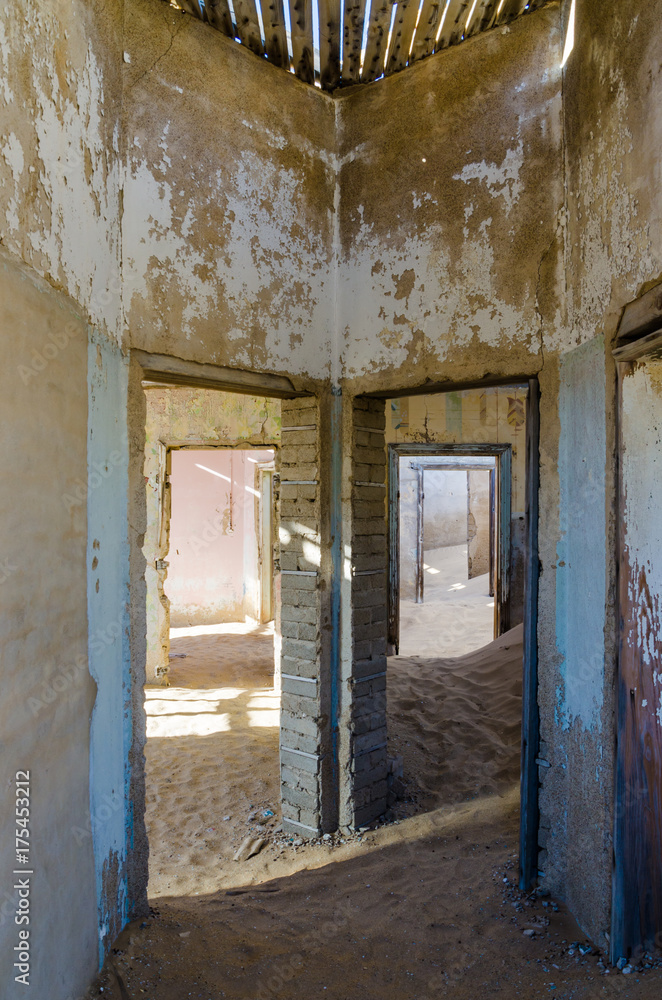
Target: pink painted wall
[(213, 556)]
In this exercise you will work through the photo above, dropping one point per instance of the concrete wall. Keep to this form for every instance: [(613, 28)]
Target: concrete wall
[(228, 199), (455, 221), (478, 524), (189, 417), (445, 520), (48, 693), (450, 246), (213, 573), (613, 249)]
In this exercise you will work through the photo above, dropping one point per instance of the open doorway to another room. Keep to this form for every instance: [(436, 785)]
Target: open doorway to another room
[(458, 557), (446, 556), (212, 698)]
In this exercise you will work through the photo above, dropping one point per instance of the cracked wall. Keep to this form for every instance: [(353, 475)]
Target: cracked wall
[(451, 191), (228, 201)]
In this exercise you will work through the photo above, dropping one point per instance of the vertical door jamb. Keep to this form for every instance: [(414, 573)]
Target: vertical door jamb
[(420, 548), (530, 716)]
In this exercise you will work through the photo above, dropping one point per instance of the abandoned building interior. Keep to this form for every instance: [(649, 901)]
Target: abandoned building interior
[(331, 563)]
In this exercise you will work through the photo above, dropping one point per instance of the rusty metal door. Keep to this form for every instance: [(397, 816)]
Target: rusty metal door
[(637, 888)]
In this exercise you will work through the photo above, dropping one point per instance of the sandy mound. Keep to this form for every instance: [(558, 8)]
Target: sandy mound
[(418, 909), (457, 722)]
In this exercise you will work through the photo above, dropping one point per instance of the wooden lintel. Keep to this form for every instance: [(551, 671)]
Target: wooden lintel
[(429, 388), (642, 316), (163, 371), (632, 350)]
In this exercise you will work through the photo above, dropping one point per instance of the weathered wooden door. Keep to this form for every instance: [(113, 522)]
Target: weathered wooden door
[(637, 898)]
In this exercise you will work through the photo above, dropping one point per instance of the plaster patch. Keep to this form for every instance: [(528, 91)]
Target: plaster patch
[(502, 181)]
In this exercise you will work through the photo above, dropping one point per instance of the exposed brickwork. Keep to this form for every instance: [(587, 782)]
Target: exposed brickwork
[(369, 615), (300, 733)]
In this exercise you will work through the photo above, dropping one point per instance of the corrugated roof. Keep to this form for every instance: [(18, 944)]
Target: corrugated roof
[(336, 43)]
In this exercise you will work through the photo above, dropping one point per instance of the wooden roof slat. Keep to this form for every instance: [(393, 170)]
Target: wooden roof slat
[(511, 9), (248, 26), (380, 19), (275, 36), (448, 18), (301, 20), (353, 15), (403, 30), (427, 28), (330, 28), (192, 7), (453, 27), (218, 14), (485, 12)]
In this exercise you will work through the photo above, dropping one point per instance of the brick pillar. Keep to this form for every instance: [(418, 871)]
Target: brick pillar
[(367, 715), (301, 724)]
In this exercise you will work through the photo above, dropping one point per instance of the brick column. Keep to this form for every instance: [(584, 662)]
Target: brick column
[(301, 737), (367, 715)]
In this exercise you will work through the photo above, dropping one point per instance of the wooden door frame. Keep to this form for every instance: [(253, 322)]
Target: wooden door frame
[(264, 472), (502, 453)]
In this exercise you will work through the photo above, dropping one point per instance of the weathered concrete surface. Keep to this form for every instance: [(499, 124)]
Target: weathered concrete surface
[(228, 200), (451, 195), (60, 93), (48, 693), (108, 633), (190, 417), (638, 832), (613, 132)]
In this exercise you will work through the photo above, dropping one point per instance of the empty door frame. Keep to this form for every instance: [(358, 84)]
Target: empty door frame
[(459, 466), (264, 475), (463, 453)]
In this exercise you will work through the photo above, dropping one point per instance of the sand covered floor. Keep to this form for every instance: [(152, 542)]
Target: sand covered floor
[(422, 907), (457, 614)]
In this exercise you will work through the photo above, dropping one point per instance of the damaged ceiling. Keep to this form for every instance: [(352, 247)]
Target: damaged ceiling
[(329, 44)]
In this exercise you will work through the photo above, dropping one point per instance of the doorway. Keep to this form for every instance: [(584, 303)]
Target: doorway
[(213, 709), (462, 725), (449, 546)]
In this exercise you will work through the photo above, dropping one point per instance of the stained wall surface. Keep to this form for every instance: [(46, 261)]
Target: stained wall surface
[(613, 251), (444, 224), (451, 190), (228, 200)]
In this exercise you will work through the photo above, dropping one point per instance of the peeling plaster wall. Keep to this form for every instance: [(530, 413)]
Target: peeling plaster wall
[(47, 691), (190, 417), (451, 191), (109, 637), (228, 201), (60, 175), (613, 248)]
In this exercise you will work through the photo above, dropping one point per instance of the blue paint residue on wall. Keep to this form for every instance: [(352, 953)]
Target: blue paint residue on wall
[(581, 551), (108, 630)]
